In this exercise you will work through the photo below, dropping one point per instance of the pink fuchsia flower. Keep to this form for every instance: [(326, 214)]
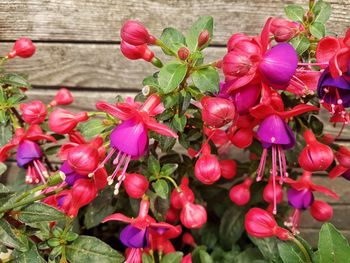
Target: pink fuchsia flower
[(315, 156), (160, 242), (260, 223), (135, 33), (136, 234), (217, 112), (343, 166), (33, 112), (136, 52), (304, 82), (283, 30), (63, 97), (135, 185), (29, 154), (240, 193), (130, 139), (23, 48), (62, 121)]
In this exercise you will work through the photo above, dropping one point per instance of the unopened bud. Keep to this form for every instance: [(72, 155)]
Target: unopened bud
[(183, 53), (203, 38)]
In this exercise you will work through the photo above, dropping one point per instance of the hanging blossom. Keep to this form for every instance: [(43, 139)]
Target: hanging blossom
[(129, 139), (274, 133), (137, 234), (343, 166), (29, 154), (300, 196)]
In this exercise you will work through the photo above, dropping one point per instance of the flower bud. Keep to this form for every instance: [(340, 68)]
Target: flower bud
[(268, 193), (284, 30), (321, 211), (135, 185), (327, 139), (216, 111), (260, 223), (172, 215), (63, 97), (136, 52), (240, 193), (207, 169), (134, 33), (193, 215), (187, 259), (241, 137), (315, 156), (228, 168), (343, 156), (188, 239), (62, 121), (83, 159), (203, 38), (23, 48), (183, 53), (177, 199), (34, 112)]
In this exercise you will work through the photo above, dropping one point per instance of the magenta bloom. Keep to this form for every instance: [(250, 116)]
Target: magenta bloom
[(71, 175), (302, 199), (130, 139), (134, 237)]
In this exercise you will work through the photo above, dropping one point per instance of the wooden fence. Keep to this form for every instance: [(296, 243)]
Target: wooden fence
[(78, 47)]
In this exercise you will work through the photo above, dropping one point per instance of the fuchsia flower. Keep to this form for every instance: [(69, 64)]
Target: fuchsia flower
[(228, 168), (240, 193), (217, 112), (176, 198), (135, 185), (321, 211), (343, 166), (62, 121), (260, 223), (135, 33), (29, 154), (160, 241), (315, 156), (273, 193), (23, 48), (136, 52), (136, 234), (130, 138), (33, 112), (284, 30), (300, 196), (63, 97), (275, 134)]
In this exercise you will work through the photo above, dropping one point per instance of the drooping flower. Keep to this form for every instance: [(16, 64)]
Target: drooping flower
[(136, 234), (130, 139), (159, 240), (260, 223), (29, 154), (23, 48), (62, 121), (33, 112)]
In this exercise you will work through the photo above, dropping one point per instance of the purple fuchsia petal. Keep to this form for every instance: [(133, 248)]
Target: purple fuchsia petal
[(274, 130), (340, 84), (278, 65), (130, 137), (346, 175), (27, 151), (245, 98), (300, 199), (71, 175), (133, 237)]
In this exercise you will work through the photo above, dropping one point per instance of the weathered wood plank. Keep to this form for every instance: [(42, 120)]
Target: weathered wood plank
[(312, 235), (91, 20)]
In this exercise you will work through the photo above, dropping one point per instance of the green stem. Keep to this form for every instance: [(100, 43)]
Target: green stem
[(3, 60), (68, 225), (302, 248), (30, 200), (204, 66), (171, 180), (165, 47), (14, 121), (96, 113), (32, 191)]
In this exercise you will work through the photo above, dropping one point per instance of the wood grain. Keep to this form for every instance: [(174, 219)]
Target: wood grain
[(101, 20)]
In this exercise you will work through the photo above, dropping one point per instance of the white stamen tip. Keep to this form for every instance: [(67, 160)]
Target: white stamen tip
[(273, 139), (339, 101), (46, 174), (90, 175)]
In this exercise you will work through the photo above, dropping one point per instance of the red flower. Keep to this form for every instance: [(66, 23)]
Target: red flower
[(83, 159), (260, 223), (177, 199), (217, 112), (33, 112), (63, 97), (23, 48), (136, 52), (193, 215), (135, 185), (321, 211), (228, 168), (343, 158), (135, 33), (240, 193), (62, 121)]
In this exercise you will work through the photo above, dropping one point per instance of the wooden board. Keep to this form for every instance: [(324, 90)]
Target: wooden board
[(100, 21)]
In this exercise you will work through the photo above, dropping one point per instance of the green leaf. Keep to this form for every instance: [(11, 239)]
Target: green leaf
[(316, 125), (318, 30), (174, 257), (322, 11), (153, 165), (171, 75), (52, 149), (268, 248), (300, 44), (5, 134), (15, 80), (146, 258), (40, 212), (10, 237), (30, 256), (91, 249), (168, 169), (91, 128), (179, 122), (204, 22), (150, 81), (332, 246), (200, 255), (161, 187), (171, 38), (206, 79), (295, 12), (251, 254), (231, 226), (3, 169), (290, 253)]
